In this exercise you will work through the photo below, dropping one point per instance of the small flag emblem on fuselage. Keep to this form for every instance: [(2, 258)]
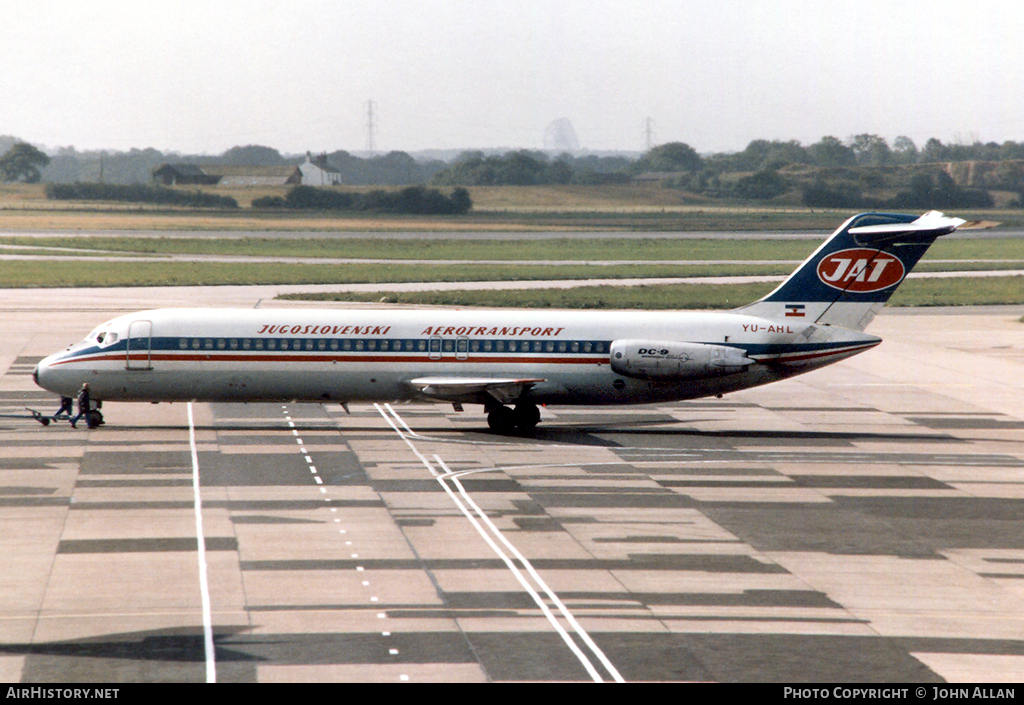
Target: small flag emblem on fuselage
[(794, 310)]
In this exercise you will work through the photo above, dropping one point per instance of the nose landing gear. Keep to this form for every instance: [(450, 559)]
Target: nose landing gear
[(524, 418)]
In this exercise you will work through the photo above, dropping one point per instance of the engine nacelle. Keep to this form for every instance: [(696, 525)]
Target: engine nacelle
[(663, 359)]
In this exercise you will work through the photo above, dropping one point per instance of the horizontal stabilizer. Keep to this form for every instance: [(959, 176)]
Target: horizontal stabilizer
[(926, 228), (471, 389)]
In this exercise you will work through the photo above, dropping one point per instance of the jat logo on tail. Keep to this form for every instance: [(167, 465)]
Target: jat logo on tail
[(861, 270)]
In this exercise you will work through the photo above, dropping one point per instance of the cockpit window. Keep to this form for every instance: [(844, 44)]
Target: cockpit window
[(101, 335)]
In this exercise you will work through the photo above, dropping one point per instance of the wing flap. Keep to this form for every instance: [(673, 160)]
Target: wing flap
[(473, 389)]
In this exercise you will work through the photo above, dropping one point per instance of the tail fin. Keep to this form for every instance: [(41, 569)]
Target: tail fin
[(850, 277)]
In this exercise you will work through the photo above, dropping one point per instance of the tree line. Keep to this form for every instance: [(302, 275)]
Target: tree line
[(412, 200), (863, 170)]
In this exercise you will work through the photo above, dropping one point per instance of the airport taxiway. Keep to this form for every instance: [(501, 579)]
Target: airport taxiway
[(861, 523)]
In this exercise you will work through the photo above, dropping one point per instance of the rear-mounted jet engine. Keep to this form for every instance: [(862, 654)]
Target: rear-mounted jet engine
[(662, 359)]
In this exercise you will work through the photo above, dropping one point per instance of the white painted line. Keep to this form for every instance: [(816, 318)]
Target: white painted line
[(569, 641), (204, 586), (534, 574), (401, 421)]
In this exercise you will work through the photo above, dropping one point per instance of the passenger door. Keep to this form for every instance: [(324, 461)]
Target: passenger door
[(139, 344)]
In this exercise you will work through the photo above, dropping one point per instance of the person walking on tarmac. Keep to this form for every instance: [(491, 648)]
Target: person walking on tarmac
[(67, 406), (83, 406)]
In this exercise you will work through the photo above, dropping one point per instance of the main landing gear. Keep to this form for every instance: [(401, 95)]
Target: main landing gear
[(524, 418), (94, 419)]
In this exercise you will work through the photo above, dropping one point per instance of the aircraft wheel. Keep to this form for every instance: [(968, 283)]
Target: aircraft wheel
[(527, 416), (94, 419), (501, 419)]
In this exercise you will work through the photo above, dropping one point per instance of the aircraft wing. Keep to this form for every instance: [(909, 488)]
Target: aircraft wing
[(473, 389)]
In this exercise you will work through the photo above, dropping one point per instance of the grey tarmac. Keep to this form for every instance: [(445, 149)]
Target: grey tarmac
[(857, 524)]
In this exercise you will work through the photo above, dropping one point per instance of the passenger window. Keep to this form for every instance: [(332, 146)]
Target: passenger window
[(183, 344), (359, 345)]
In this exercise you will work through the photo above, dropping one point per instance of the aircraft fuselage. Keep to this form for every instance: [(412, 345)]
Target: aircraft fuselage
[(334, 355)]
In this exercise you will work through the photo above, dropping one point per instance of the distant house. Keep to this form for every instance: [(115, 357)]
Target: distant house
[(317, 172), (181, 175), (226, 175)]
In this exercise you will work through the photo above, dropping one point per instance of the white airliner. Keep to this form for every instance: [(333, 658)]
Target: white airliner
[(510, 361)]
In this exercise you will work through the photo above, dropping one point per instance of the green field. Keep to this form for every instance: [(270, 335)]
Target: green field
[(915, 292), (491, 260), (183, 259), (653, 250), (495, 208)]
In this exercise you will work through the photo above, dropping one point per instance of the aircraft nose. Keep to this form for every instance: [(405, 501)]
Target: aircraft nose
[(42, 374)]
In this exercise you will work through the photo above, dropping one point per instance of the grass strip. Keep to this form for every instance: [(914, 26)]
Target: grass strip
[(593, 249), (957, 291), (64, 273)]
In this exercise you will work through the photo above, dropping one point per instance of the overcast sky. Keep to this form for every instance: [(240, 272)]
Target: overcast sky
[(200, 76)]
